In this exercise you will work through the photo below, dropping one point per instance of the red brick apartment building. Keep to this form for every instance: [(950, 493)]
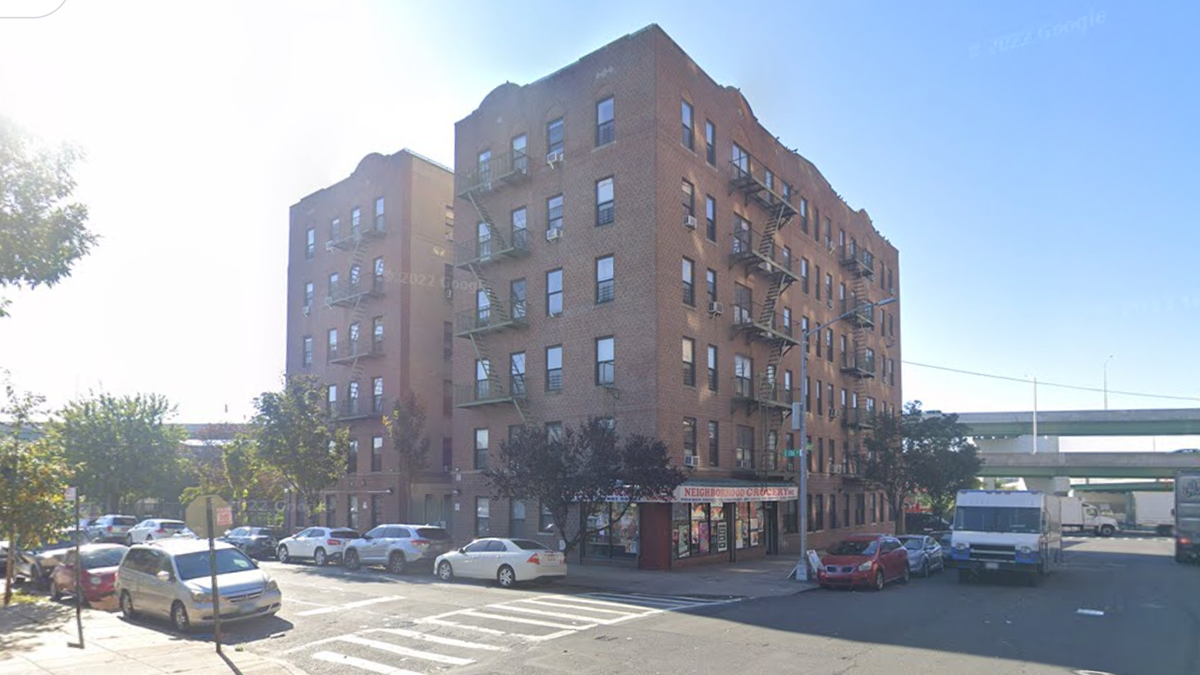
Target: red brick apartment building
[(647, 251), (368, 313)]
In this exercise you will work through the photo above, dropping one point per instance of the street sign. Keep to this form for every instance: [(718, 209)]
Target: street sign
[(224, 516), (791, 452), (70, 494)]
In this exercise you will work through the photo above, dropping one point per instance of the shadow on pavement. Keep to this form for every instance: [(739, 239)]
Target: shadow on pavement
[(248, 630), (20, 623)]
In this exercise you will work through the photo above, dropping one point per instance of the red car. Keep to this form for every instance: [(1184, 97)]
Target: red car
[(97, 575), (867, 560)]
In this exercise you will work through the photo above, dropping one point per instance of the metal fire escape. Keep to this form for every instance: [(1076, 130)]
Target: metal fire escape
[(491, 313), (355, 295), (759, 255), (859, 363)]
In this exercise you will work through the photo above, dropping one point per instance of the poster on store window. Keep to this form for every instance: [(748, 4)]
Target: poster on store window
[(722, 536), (681, 536)]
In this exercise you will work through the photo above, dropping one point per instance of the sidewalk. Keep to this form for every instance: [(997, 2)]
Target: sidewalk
[(753, 579), (34, 641)]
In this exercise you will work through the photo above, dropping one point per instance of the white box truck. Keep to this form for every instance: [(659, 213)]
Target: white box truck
[(1079, 515), (1187, 516), (1005, 531), (1154, 511)]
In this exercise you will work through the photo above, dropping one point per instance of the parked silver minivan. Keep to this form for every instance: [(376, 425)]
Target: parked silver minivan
[(170, 578)]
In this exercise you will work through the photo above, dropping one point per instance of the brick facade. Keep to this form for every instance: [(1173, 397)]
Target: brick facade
[(649, 77), (410, 302)]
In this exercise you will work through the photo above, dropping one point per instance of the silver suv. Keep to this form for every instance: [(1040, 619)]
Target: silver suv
[(397, 547), (110, 528)]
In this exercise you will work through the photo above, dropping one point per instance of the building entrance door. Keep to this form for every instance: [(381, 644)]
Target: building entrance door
[(771, 527)]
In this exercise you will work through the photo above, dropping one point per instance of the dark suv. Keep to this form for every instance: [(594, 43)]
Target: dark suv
[(924, 523)]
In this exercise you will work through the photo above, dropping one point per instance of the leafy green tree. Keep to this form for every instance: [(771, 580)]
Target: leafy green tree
[(122, 447), (887, 467), (406, 426), (42, 233), (298, 437), (574, 475), (32, 480)]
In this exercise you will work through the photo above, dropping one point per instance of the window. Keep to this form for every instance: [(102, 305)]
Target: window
[(519, 236), (689, 362), (554, 213), (483, 369), (817, 280), (685, 116), (829, 345), (355, 220), (554, 293), (714, 444), (820, 400), (331, 399), (516, 370), (354, 331), (743, 373), (829, 396), (377, 334), (333, 284), (710, 142), (335, 229), (689, 282), (483, 240), (741, 158), (742, 304), (447, 397), (516, 518), (829, 245), (308, 351), (554, 137), (554, 370), (355, 276), (605, 360), (710, 280), (483, 163), (833, 515), (689, 436), (745, 447), (787, 388), (787, 320), (520, 163), (804, 274), (710, 218), (828, 285), (310, 243), (689, 199), (554, 432), (785, 258), (804, 215), (447, 341), (604, 279), (380, 225), (308, 296), (712, 368), (331, 345), (377, 395), (481, 449), (605, 126), (791, 517), (604, 201), (376, 454), (352, 397), (545, 519), (483, 526), (741, 235), (516, 296), (816, 223)]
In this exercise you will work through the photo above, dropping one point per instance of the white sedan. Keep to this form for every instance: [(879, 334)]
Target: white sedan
[(157, 528), (322, 545), (505, 560)]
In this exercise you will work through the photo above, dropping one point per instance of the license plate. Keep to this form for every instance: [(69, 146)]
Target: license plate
[(991, 566)]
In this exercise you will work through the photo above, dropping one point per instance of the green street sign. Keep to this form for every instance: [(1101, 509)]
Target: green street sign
[(795, 452)]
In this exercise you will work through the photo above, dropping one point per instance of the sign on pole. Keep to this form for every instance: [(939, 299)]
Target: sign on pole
[(224, 516), (70, 494)]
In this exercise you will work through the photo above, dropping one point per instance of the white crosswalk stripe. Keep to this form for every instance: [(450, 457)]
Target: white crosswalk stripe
[(464, 636)]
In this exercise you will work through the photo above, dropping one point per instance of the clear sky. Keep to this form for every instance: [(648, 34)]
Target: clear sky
[(1034, 162)]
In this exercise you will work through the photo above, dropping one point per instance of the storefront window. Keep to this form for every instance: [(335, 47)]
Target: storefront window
[(613, 531), (700, 529), (719, 529)]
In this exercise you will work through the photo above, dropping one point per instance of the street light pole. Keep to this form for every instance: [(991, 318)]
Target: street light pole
[(801, 572), (1106, 381)]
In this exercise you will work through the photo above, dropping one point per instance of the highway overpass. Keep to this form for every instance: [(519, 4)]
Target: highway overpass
[(1168, 422), (1087, 464)]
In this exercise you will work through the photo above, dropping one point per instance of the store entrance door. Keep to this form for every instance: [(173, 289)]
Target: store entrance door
[(771, 527)]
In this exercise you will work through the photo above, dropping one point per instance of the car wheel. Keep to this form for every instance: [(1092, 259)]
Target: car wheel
[(179, 618), (127, 609), (445, 571), (878, 585), (397, 564), (925, 569), (55, 594), (352, 562), (283, 556), (320, 558), (506, 577), (1107, 530), (905, 576), (36, 576), (129, 540)]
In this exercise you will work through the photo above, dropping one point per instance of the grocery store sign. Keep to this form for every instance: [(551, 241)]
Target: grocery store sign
[(701, 494)]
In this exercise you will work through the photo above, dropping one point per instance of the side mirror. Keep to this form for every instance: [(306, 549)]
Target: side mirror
[(367, 537), (227, 532), (462, 550), (164, 575)]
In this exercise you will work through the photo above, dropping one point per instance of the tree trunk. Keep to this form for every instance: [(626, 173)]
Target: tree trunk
[(9, 568)]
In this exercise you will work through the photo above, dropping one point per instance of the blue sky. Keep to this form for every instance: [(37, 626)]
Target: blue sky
[(1033, 162)]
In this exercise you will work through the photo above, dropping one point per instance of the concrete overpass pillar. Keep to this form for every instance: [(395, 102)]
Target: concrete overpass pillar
[(1058, 485)]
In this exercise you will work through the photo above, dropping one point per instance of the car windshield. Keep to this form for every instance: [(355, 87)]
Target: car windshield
[(263, 532), (124, 520), (914, 544), (195, 565), (435, 533), (106, 557), (527, 545), (344, 534), (172, 525), (855, 547), (997, 519)]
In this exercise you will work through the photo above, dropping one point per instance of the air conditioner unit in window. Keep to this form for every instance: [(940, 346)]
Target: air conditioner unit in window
[(689, 222), (715, 309), (553, 234), (307, 310), (830, 246), (829, 303), (691, 460), (837, 468), (745, 464), (553, 158)]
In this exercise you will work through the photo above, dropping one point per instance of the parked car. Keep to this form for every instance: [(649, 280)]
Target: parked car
[(171, 578), (322, 545), (870, 560), (256, 542), (924, 523), (398, 547), (98, 573), (943, 540), (110, 528), (508, 561), (157, 528), (48, 556), (23, 563), (924, 554)]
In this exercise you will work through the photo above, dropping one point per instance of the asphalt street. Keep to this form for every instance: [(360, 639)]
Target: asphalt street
[(1119, 606)]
